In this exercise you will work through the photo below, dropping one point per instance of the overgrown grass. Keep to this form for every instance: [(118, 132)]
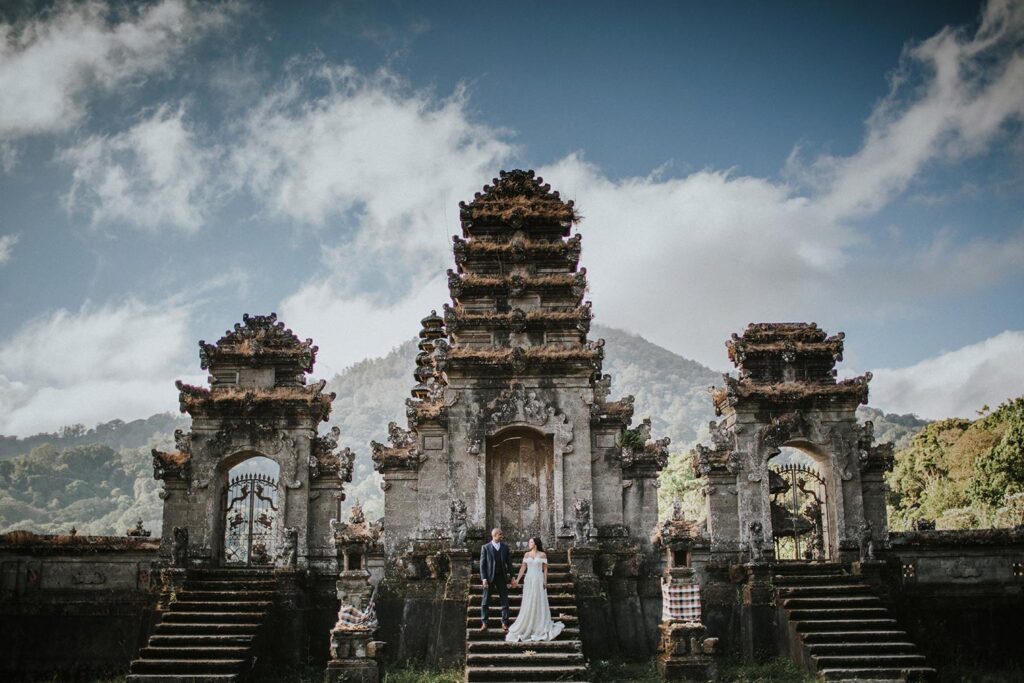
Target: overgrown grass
[(417, 675), (975, 674), (619, 671), (776, 671)]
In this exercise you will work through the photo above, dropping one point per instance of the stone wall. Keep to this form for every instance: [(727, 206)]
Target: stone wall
[(960, 593), (76, 605)]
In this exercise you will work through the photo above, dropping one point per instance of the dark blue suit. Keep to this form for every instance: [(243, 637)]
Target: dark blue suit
[(496, 570)]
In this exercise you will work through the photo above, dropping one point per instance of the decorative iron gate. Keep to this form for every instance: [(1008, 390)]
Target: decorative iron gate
[(249, 520), (799, 512)]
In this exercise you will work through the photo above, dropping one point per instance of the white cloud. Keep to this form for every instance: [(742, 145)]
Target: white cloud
[(350, 329), (92, 365), (7, 243), (366, 145), (154, 174), (973, 89), (956, 383), (48, 64)]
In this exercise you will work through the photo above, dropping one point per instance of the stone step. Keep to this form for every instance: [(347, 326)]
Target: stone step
[(542, 646), (803, 568), (200, 651), (201, 629), (201, 640), (221, 606), (824, 590), (811, 580), (897, 660), (867, 636), (865, 648), (210, 617), (474, 610), (524, 673), (839, 613), (917, 673), (229, 585), (831, 602), (494, 620), (552, 566), (553, 586), (523, 658), (232, 572), (569, 633), (845, 625), (515, 598), (223, 596), (175, 678), (194, 666)]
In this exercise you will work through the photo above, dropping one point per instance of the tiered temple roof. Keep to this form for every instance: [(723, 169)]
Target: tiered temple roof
[(256, 370), (787, 363), (517, 297), (517, 310)]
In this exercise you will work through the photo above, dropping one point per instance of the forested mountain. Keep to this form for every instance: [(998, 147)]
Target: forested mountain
[(116, 434), (100, 480)]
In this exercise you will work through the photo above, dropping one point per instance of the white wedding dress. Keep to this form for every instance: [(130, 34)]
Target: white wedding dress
[(534, 620)]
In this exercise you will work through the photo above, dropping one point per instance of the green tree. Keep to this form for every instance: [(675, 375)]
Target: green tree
[(1000, 472)]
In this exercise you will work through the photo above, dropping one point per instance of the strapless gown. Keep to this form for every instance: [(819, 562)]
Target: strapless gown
[(534, 621)]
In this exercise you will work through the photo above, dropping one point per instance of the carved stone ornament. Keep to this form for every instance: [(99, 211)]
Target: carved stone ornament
[(518, 405), (520, 493)]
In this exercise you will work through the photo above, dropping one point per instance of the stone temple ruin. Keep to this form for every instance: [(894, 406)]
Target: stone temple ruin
[(510, 423)]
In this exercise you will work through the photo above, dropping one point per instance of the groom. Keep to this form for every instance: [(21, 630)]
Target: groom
[(495, 572)]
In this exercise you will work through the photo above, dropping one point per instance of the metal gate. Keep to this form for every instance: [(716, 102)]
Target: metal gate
[(250, 516), (798, 508)]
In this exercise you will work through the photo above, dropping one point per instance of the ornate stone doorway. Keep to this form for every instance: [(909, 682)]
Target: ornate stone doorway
[(799, 511), (251, 513), (520, 485)]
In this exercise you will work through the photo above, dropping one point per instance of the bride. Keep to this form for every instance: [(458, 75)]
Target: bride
[(534, 620)]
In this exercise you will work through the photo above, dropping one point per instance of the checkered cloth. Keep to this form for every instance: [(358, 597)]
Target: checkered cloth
[(353, 619), (680, 602)]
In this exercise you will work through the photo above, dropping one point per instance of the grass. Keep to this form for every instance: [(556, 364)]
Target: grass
[(776, 671)]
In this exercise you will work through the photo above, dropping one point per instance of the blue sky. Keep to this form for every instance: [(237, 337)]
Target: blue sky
[(167, 166)]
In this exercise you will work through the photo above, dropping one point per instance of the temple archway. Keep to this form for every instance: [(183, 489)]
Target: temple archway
[(802, 522), (521, 484), (251, 511)]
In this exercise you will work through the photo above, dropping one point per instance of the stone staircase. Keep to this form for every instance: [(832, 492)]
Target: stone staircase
[(208, 633), (840, 630), (490, 658)]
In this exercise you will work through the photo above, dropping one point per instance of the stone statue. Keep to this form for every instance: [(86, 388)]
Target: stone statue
[(459, 525), (866, 542), (356, 516), (756, 542), (581, 533), (179, 551), (139, 531), (289, 553)]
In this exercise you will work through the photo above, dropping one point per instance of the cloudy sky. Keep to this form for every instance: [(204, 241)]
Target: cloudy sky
[(167, 166)]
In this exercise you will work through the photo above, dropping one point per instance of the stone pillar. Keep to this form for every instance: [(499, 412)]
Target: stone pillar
[(355, 657), (685, 652), (758, 615)]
